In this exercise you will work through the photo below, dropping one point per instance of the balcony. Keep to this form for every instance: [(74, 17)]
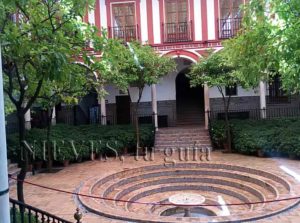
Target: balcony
[(177, 32), (125, 33), (229, 27)]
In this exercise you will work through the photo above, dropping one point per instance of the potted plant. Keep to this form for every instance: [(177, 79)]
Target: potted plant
[(65, 155)]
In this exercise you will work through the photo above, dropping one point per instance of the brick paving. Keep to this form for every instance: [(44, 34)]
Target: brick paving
[(70, 178)]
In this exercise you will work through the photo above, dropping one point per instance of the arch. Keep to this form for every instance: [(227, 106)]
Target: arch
[(183, 54)]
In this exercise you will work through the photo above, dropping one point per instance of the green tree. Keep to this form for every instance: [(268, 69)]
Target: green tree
[(68, 89), (128, 65), (216, 71), (39, 40), (268, 43)]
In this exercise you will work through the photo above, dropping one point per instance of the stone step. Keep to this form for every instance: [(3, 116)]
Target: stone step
[(12, 166), (245, 194), (243, 178), (229, 175), (162, 148), (182, 136), (183, 139), (13, 171), (182, 144), (182, 132), (191, 139)]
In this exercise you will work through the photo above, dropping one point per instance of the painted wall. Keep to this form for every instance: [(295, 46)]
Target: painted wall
[(203, 13), (214, 92)]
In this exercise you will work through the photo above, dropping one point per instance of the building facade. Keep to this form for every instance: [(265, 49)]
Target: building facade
[(184, 30)]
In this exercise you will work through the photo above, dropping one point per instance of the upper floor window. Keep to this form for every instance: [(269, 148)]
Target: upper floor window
[(124, 24), (231, 15), (177, 27)]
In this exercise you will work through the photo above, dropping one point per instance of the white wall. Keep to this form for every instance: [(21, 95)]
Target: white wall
[(166, 88), (197, 20), (156, 21), (91, 17), (211, 20), (214, 92), (144, 25), (103, 14)]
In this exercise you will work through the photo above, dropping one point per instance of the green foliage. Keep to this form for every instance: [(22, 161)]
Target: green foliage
[(271, 136), (214, 70), (39, 39), (74, 142), (218, 133), (269, 41), (18, 218), (8, 105), (123, 68)]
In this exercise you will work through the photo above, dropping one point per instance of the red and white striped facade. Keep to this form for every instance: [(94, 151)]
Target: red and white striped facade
[(150, 18), (205, 24)]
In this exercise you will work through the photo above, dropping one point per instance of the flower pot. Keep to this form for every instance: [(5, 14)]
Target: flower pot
[(260, 153), (66, 163)]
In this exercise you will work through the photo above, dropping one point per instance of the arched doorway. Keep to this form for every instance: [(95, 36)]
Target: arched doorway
[(189, 101)]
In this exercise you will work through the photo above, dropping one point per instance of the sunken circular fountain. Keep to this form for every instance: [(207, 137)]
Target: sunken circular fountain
[(143, 194)]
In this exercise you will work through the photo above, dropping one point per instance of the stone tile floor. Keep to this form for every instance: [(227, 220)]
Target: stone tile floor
[(71, 177)]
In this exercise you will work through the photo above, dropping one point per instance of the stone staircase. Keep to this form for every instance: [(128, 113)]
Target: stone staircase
[(189, 113), (183, 137)]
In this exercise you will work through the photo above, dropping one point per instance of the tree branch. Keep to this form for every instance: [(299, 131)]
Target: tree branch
[(36, 93)]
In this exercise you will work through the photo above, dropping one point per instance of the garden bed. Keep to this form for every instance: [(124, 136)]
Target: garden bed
[(77, 143), (276, 137)]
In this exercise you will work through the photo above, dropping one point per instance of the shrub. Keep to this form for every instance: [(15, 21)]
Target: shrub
[(218, 133), (271, 136), (79, 138)]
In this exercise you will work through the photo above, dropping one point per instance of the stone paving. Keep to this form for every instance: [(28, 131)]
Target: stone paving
[(70, 179)]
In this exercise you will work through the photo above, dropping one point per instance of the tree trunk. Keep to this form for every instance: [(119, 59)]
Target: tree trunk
[(226, 104), (227, 124), (24, 159), (49, 148), (137, 127)]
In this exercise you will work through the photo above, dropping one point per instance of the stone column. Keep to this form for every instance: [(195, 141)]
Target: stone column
[(206, 104), (53, 120), (262, 97), (27, 118), (154, 106), (103, 111), (101, 99)]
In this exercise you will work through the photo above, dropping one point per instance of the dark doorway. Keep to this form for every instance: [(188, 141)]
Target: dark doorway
[(123, 109), (189, 101)]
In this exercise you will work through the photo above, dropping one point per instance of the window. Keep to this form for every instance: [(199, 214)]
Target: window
[(230, 17), (177, 27), (176, 11), (276, 93), (231, 91), (124, 24)]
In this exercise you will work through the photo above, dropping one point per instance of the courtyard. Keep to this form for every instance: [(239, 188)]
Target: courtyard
[(74, 178)]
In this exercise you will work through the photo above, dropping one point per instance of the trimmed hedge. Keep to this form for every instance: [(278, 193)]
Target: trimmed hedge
[(81, 137), (276, 136)]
